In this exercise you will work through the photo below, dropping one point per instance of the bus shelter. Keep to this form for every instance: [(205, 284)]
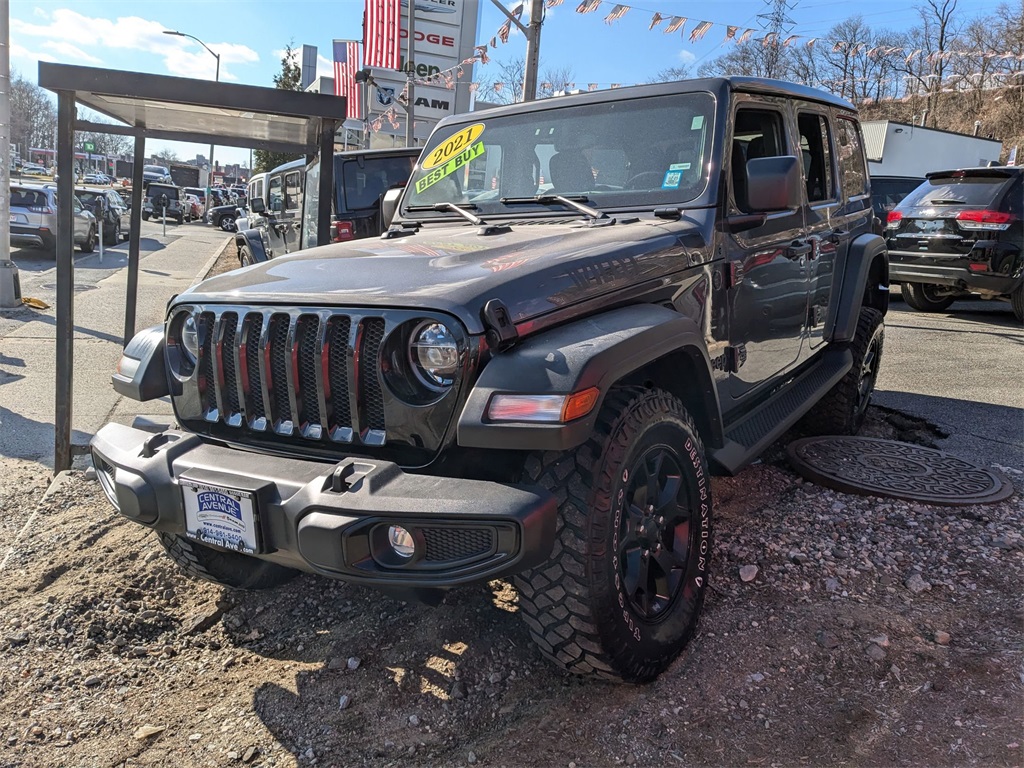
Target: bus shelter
[(178, 109)]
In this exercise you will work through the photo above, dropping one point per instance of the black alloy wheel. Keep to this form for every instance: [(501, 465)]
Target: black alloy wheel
[(869, 366), (655, 533)]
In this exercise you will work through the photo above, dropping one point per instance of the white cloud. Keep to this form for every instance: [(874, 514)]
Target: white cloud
[(182, 56), (21, 53), (69, 51), (687, 57), (324, 66)]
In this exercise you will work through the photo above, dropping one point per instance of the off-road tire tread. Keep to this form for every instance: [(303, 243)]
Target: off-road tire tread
[(913, 295), (224, 568), (834, 413), (553, 597)]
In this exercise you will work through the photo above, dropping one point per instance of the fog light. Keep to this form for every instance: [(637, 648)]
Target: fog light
[(401, 541)]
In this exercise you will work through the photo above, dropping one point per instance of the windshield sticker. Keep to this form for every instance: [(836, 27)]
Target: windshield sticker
[(450, 167), (697, 123), (673, 178), (453, 146)]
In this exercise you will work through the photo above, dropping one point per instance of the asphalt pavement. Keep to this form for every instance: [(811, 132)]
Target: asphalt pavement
[(169, 263), (962, 370)]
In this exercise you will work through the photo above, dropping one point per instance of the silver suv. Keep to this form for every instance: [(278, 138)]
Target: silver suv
[(34, 219)]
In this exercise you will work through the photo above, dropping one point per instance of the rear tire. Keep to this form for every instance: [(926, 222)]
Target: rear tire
[(843, 409), (245, 256), (227, 223), (622, 592), (922, 297), (1017, 302), (229, 569)]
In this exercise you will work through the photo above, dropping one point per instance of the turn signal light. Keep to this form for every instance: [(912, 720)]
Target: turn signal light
[(343, 230), (995, 220), (580, 404)]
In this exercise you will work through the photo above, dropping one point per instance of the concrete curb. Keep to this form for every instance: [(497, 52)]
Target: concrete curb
[(62, 479), (205, 269)]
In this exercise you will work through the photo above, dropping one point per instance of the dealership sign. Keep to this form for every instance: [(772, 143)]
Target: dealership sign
[(445, 33)]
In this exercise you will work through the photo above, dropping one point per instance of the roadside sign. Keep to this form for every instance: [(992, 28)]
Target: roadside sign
[(88, 146)]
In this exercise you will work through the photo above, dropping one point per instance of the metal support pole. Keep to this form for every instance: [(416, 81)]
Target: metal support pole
[(65, 363), (134, 235), (99, 226), (5, 133), (163, 219), (533, 50), (410, 123), (326, 190)]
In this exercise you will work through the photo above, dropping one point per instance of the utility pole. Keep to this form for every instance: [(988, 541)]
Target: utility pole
[(5, 130), (410, 65), (532, 34)]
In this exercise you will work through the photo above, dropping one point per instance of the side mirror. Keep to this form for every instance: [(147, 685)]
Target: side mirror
[(773, 184), (256, 205), (389, 205)]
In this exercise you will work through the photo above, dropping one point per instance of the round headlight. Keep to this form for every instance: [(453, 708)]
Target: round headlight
[(435, 355), (190, 339)]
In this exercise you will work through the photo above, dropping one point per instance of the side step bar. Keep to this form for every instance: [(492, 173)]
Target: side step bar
[(747, 438)]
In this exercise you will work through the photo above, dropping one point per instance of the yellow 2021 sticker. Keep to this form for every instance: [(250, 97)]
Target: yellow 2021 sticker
[(452, 146), (458, 161)]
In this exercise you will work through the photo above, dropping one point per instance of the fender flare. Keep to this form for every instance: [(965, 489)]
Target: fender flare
[(851, 288), (253, 240), (597, 351)]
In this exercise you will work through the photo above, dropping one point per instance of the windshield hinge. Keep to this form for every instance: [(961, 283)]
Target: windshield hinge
[(501, 331)]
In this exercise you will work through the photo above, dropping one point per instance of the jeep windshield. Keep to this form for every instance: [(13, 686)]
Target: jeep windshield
[(630, 153), (362, 182)]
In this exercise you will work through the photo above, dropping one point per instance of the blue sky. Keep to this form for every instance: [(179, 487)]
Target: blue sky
[(250, 34)]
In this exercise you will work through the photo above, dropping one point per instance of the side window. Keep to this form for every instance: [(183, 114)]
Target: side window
[(756, 133), (851, 159), (275, 203), (292, 192), (816, 151)]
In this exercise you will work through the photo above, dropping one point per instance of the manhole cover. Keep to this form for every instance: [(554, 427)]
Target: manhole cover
[(872, 467)]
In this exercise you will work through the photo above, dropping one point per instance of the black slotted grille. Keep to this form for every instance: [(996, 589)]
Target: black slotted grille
[(369, 373), (254, 389), (206, 351), (307, 362), (445, 544), (279, 352), (338, 331), (229, 321)]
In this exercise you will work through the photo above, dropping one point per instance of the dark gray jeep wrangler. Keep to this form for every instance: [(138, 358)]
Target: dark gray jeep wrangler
[(583, 308)]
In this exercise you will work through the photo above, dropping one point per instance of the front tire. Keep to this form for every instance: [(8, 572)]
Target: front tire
[(923, 297), (227, 223), (229, 569), (622, 593), (245, 258), (90, 242), (842, 411)]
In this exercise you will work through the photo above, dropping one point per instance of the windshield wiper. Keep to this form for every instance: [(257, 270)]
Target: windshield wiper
[(573, 201), (462, 210)]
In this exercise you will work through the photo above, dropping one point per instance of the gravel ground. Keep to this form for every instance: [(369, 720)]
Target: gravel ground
[(839, 630)]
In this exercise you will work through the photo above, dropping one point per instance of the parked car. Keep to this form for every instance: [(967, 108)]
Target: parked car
[(224, 216), (960, 234), (96, 178), (157, 173), (160, 198), (33, 169), (199, 192), (193, 207), (34, 219), (524, 385), (113, 212), (283, 203)]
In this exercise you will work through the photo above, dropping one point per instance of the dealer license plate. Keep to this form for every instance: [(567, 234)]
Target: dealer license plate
[(223, 517)]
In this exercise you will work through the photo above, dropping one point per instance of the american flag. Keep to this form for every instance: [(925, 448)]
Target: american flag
[(381, 29), (346, 62)]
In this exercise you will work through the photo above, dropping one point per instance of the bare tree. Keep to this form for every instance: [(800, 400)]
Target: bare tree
[(33, 115), (751, 58), (669, 74), (167, 156), (504, 85)]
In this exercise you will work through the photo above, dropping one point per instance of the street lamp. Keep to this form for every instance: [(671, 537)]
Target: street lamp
[(209, 178)]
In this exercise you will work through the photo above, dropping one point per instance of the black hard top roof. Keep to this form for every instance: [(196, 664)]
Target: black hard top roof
[(992, 171), (720, 86)]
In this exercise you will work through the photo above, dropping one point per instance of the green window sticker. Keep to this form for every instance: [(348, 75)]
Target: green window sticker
[(451, 166), (697, 123)]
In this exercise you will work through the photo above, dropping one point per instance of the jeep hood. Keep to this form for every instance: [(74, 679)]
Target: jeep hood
[(536, 268)]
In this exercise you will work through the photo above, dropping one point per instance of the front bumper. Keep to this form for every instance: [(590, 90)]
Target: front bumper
[(333, 519), (909, 267)]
